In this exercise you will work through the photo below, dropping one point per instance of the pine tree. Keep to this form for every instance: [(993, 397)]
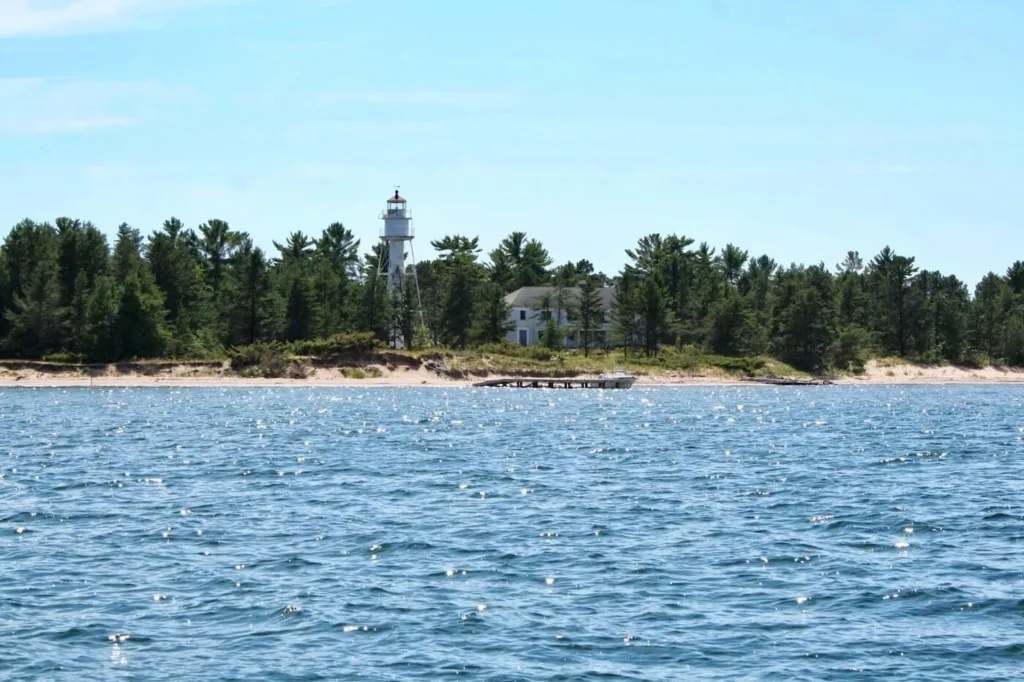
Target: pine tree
[(36, 316), (127, 251), (100, 343), (552, 335), (406, 312), (653, 314), (139, 325), (248, 312), (6, 298), (374, 312), (727, 322), (590, 313), (459, 310), (173, 257), (493, 325), (1014, 338), (626, 309), (299, 320), (806, 327)]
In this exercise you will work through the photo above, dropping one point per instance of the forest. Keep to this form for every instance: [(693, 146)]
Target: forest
[(67, 294)]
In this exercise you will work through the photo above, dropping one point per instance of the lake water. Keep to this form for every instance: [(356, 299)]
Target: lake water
[(424, 534)]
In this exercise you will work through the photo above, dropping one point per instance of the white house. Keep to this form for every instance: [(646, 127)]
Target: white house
[(532, 307)]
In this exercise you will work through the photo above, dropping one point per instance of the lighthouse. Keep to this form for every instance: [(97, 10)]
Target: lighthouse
[(397, 231)]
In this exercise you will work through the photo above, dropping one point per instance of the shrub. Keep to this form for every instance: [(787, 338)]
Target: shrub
[(64, 358), (351, 344), (850, 349), (266, 360)]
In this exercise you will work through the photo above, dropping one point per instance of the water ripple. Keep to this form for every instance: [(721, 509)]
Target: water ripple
[(335, 534)]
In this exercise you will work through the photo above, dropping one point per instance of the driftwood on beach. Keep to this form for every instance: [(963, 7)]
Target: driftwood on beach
[(775, 381)]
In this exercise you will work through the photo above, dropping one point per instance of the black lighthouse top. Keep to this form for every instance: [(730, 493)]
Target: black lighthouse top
[(396, 199)]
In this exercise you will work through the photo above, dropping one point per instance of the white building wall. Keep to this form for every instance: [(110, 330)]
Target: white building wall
[(529, 324)]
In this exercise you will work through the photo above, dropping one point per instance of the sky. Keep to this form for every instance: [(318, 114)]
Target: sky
[(797, 128)]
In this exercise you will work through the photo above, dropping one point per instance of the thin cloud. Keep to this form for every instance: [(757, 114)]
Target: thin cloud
[(438, 98), (42, 17), (365, 130), (71, 124), (36, 106)]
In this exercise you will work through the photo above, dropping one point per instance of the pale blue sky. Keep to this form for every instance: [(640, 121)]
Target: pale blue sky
[(798, 128)]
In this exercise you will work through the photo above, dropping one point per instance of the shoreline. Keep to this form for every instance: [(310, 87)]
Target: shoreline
[(383, 375), (643, 382)]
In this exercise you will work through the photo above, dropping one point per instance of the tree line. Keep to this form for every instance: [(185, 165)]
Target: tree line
[(193, 293)]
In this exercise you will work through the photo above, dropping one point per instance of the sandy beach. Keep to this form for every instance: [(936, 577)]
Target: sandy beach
[(185, 375)]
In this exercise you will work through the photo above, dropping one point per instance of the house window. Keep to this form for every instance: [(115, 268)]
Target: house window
[(522, 314), (545, 314)]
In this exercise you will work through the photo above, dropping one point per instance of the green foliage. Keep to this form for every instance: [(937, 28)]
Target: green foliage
[(460, 301), (100, 319), (191, 293), (552, 335), (36, 316), (1014, 343), (590, 313), (504, 348), (299, 319), (139, 330), (493, 324), (345, 345), (727, 321), (850, 349), (266, 360), (63, 358)]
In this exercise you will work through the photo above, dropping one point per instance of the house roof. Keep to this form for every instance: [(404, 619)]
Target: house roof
[(532, 297)]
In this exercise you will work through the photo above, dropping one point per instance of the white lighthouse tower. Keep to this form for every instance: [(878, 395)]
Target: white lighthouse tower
[(396, 234)]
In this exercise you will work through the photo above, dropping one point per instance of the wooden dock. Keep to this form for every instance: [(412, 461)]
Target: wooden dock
[(560, 382)]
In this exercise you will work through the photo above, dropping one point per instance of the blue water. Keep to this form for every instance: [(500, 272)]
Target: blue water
[(668, 534)]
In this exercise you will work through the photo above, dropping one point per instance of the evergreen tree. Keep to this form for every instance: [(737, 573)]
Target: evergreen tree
[(653, 314), (733, 259), (187, 294), (727, 322), (405, 305), (248, 313), (36, 316), (1014, 339), (216, 242), (551, 337), (591, 313), (101, 321), (6, 297), (987, 315), (460, 308), (374, 307), (626, 309), (807, 323), (493, 325), (299, 311), (336, 260), (139, 325), (432, 289), (27, 245), (178, 272), (520, 262), (1015, 277), (296, 250), (127, 251)]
